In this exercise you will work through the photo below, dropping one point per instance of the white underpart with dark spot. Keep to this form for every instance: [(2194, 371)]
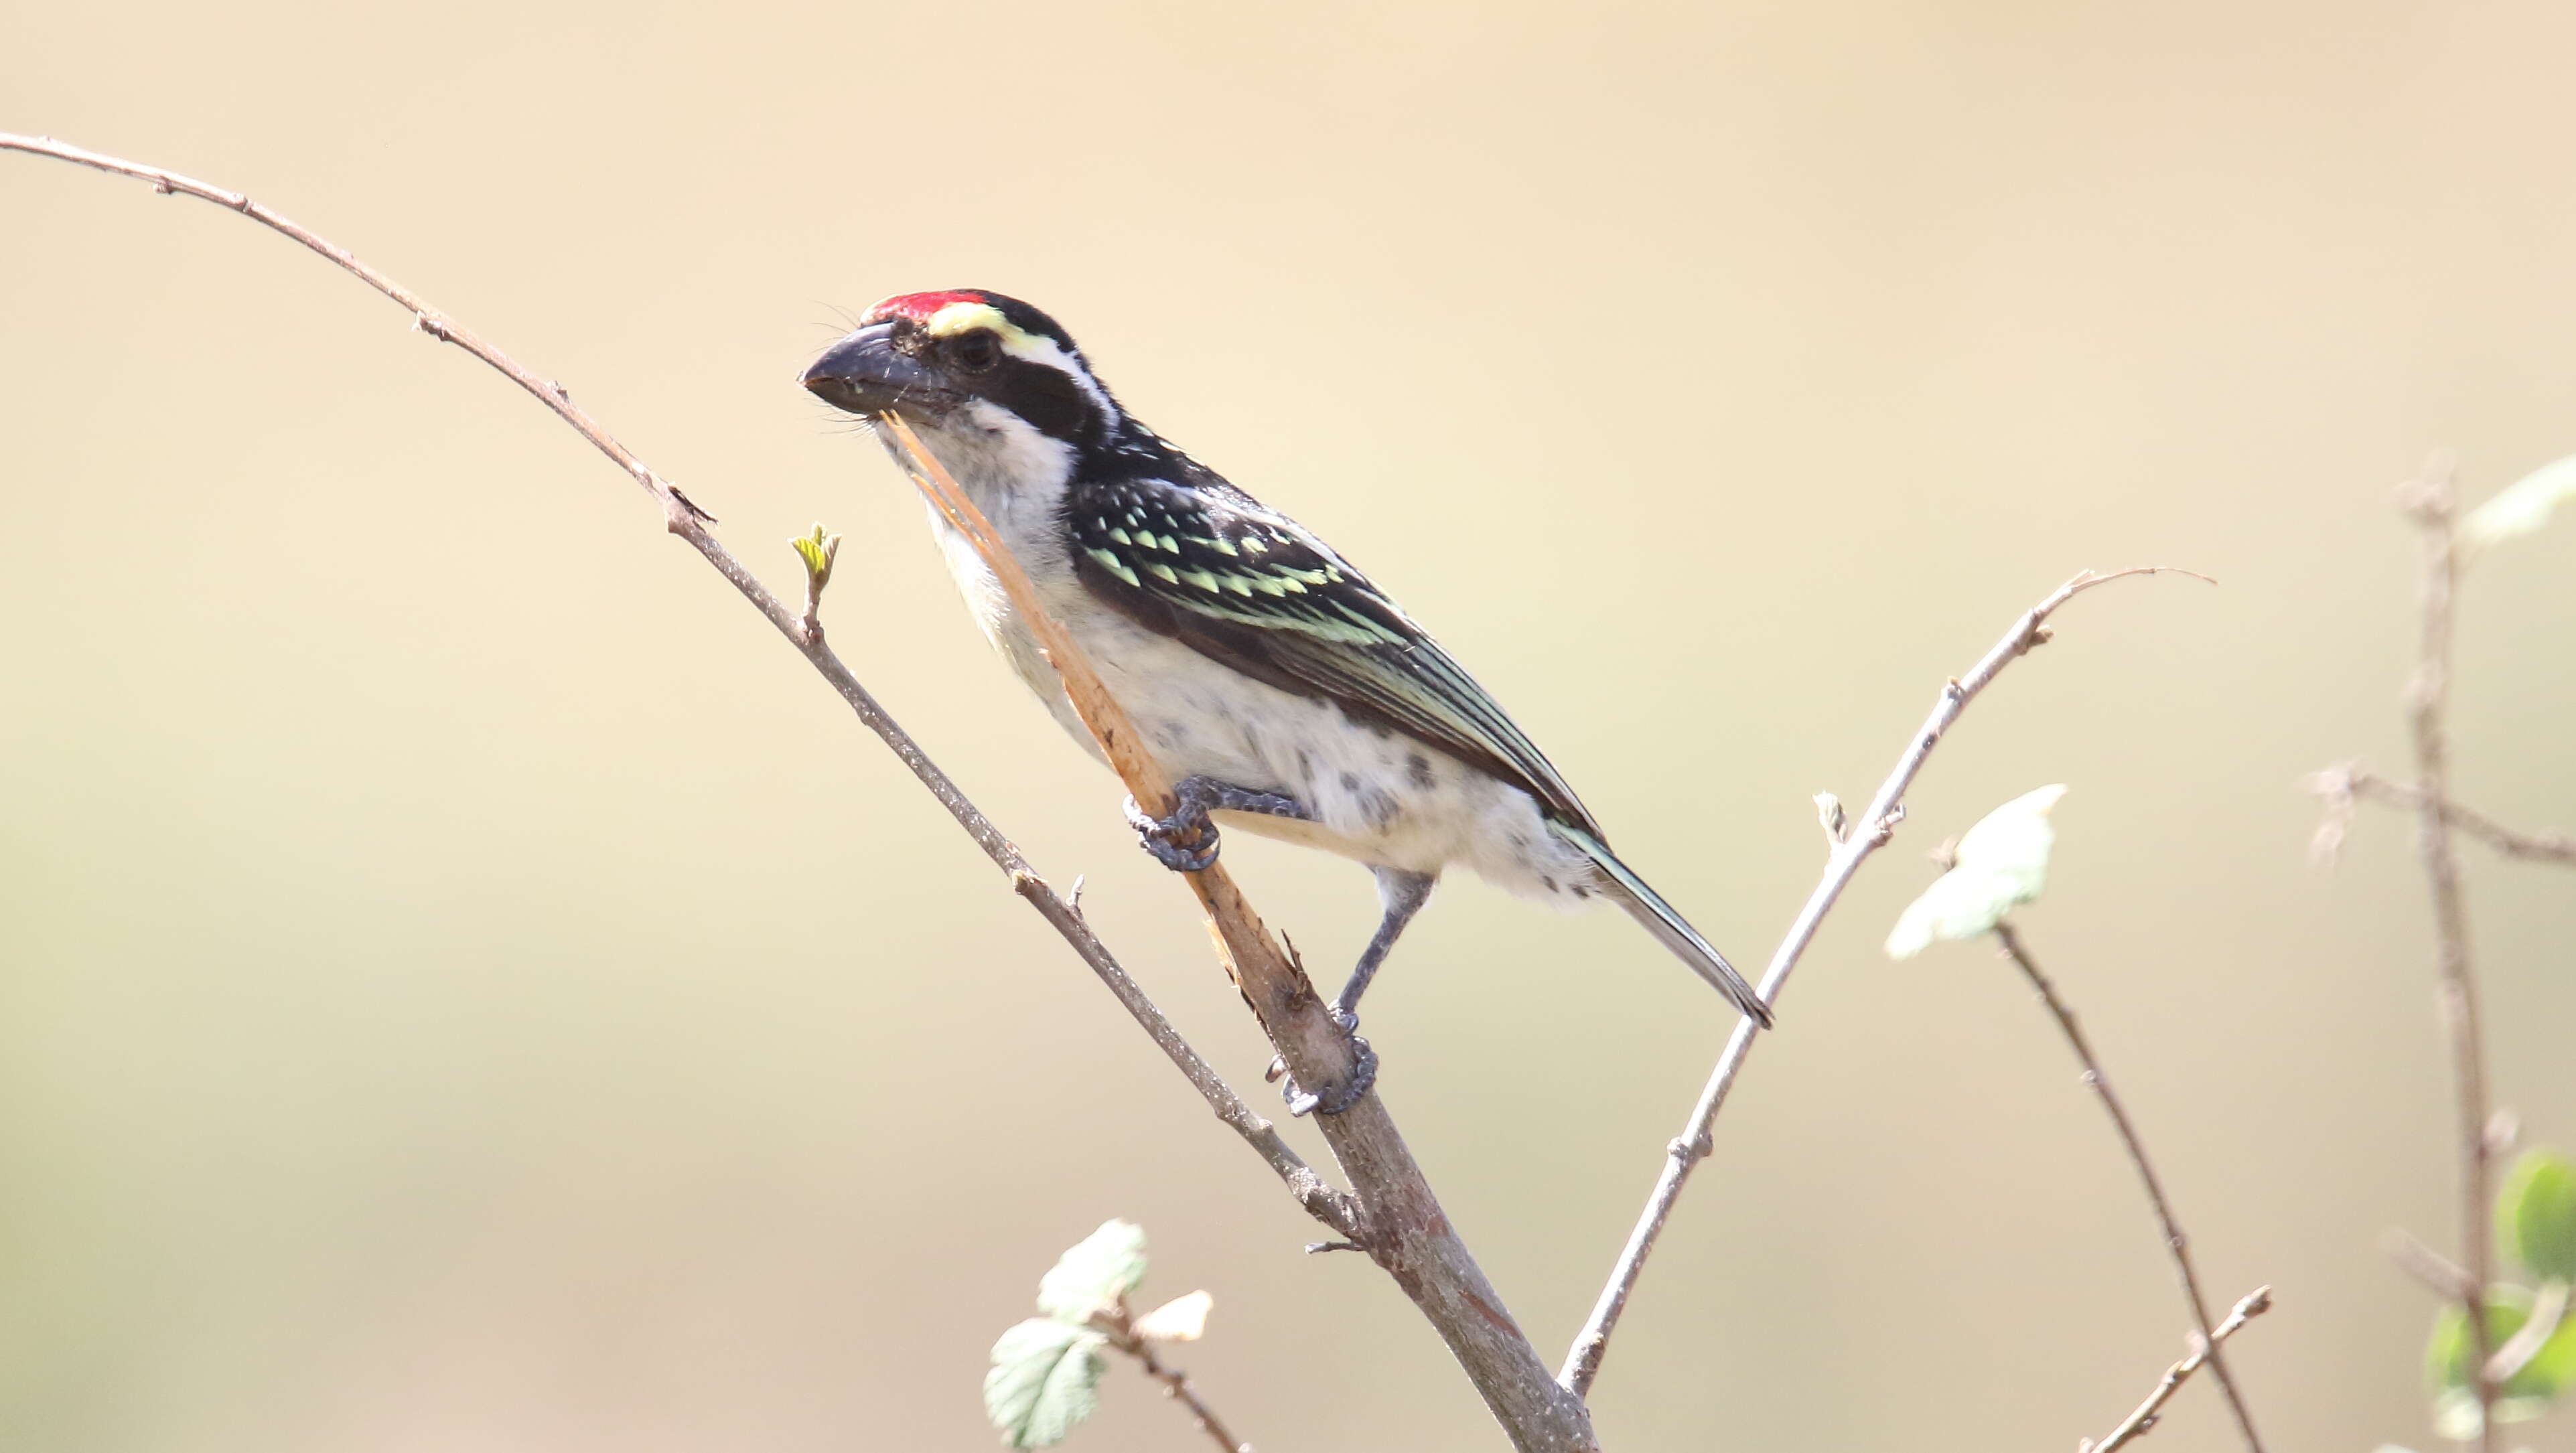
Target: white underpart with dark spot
[(1375, 794)]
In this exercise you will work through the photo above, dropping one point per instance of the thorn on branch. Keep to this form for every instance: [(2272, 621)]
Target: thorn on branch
[(686, 503), (1318, 1248), (1885, 827)]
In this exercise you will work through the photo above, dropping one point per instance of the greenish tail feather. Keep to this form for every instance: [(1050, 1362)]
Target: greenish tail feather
[(1649, 908)]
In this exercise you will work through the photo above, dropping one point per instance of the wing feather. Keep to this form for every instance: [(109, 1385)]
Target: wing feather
[(1249, 587)]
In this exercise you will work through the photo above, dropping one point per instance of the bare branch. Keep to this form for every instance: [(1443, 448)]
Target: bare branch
[(2175, 1242), (2431, 503), (1866, 834), (2341, 786), (686, 520), (2138, 1423), (1393, 1213)]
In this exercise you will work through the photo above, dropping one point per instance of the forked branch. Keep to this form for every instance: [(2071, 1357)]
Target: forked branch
[(2140, 1421), (1865, 835), (2177, 1245)]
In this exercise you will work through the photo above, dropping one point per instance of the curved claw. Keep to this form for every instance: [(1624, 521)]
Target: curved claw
[(1162, 837), (1335, 1098)]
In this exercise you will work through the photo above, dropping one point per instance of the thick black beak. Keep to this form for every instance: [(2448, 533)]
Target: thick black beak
[(864, 374)]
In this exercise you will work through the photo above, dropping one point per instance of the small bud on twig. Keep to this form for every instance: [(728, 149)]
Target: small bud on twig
[(818, 551), (1829, 812)]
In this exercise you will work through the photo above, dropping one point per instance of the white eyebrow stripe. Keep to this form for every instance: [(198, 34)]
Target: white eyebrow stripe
[(958, 318)]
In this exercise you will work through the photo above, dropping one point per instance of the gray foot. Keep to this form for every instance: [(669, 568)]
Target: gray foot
[(1186, 842), (1335, 1098)]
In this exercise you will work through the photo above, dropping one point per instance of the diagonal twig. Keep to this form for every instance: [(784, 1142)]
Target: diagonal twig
[(1391, 1211), (1401, 1224), (2139, 1422), (2178, 1245), (1867, 834), (684, 519)]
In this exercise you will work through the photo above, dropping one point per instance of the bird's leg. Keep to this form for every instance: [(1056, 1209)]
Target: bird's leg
[(1186, 842), (1400, 895)]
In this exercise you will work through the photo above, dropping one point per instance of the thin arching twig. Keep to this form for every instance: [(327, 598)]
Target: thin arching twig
[(684, 519), (2431, 503), (2143, 1418), (2176, 1244), (1391, 1211), (1866, 834)]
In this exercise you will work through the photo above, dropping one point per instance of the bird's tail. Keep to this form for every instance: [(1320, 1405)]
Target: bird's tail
[(1649, 908)]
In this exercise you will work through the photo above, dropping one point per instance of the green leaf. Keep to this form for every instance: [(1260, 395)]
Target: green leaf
[(2002, 862), (818, 551), (2536, 1214), (1045, 1381), (2521, 507), (1095, 1274), (2525, 1395)]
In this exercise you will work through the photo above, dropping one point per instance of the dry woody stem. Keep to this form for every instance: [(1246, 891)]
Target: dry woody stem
[(2431, 502), (2143, 1419), (1867, 833), (2178, 1245), (1391, 1211), (686, 520), (1401, 1225)]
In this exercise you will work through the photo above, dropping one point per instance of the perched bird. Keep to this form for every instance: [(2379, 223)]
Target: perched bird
[(1282, 691)]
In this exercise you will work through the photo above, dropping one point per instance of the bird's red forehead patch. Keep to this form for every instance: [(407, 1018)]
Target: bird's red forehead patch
[(919, 306)]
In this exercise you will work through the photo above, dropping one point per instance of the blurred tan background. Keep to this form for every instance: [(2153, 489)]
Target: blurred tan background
[(469, 986)]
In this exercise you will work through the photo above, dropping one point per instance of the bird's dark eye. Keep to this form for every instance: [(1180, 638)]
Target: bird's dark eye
[(975, 352)]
